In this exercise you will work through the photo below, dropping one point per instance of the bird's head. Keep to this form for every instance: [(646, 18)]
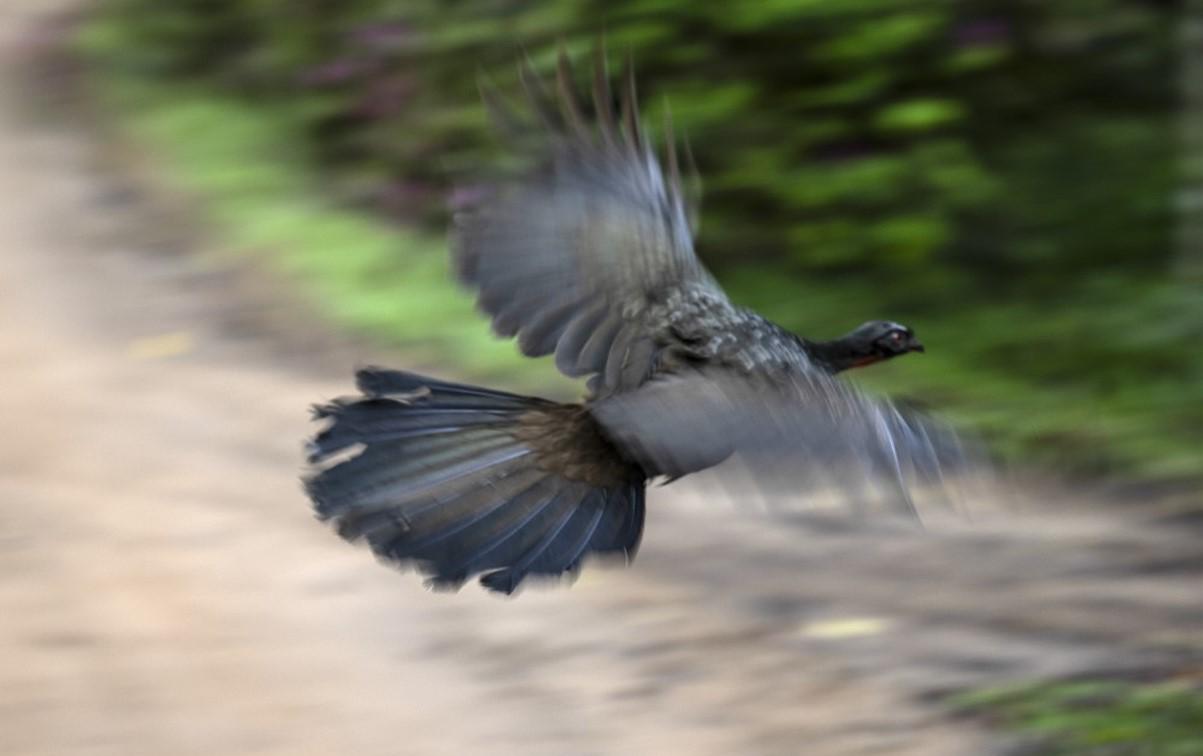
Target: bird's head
[(871, 342), (880, 340)]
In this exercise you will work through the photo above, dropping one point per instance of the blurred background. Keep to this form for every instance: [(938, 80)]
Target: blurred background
[(216, 207), (1006, 177)]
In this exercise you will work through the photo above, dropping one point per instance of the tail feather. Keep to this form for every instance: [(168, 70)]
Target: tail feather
[(393, 473), (368, 419), (472, 514), (428, 519), (361, 423), (529, 558), (501, 538), (496, 539), (374, 381), (432, 513), (620, 534), (448, 478), (568, 545)]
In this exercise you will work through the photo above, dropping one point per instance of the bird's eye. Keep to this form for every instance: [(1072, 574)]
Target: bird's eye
[(896, 336)]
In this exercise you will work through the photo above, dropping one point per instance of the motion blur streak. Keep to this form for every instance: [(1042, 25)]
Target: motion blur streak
[(164, 591), (589, 256)]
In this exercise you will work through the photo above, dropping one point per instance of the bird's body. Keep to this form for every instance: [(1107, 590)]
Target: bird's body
[(590, 257)]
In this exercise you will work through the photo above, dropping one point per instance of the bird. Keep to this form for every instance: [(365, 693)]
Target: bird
[(587, 253)]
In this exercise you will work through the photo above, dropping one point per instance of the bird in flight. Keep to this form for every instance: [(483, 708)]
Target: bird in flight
[(588, 254)]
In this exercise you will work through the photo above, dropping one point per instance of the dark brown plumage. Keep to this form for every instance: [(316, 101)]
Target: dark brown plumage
[(589, 256), (566, 440)]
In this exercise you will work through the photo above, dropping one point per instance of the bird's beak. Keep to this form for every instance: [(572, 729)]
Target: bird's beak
[(916, 346)]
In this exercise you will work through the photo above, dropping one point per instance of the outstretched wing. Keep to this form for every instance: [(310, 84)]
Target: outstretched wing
[(584, 254), (792, 430)]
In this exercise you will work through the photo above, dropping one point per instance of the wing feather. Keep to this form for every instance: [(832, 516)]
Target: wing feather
[(789, 430), (593, 236)]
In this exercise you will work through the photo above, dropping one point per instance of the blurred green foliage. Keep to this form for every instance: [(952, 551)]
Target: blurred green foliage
[(1025, 140), (388, 283), (1000, 175), (1101, 717)]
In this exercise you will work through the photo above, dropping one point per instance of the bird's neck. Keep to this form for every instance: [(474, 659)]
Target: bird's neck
[(838, 355)]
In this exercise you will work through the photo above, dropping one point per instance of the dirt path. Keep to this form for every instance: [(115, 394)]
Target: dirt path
[(164, 590)]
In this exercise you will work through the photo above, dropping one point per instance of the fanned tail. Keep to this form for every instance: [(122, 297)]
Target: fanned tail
[(457, 480)]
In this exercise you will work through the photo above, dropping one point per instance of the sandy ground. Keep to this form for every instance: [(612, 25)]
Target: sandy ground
[(164, 589)]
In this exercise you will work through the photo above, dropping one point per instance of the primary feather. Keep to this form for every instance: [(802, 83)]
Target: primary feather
[(589, 255)]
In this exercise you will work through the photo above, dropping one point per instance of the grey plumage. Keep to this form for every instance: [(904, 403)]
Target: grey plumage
[(588, 255)]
